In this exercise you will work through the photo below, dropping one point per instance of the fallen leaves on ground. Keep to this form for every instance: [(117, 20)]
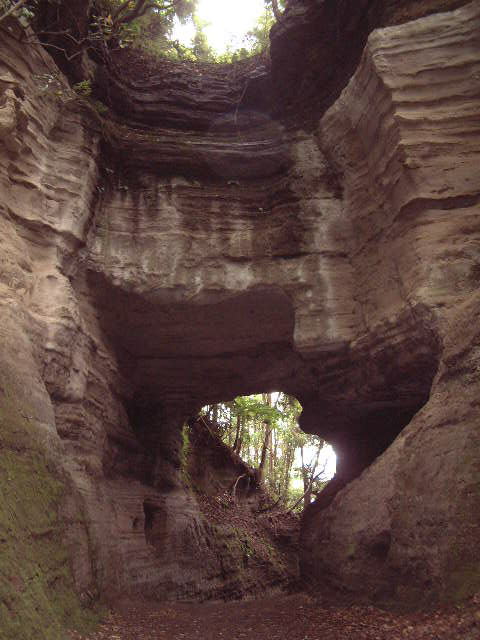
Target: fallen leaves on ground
[(296, 617)]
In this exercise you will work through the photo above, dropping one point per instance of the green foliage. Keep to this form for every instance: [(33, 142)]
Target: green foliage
[(146, 25), (100, 107), (152, 32), (113, 24), (258, 39), (250, 424), (201, 50), (83, 88)]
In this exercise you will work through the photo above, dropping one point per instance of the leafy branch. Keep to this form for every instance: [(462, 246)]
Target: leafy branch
[(13, 9)]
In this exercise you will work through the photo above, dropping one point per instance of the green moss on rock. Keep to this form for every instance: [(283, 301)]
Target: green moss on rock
[(37, 596)]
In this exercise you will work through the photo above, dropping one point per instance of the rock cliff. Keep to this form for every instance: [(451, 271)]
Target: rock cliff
[(235, 229), (404, 136)]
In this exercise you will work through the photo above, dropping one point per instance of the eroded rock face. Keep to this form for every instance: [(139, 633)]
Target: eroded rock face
[(394, 532), (199, 246)]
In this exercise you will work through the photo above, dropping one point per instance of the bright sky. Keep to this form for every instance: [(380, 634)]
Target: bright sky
[(228, 22), (327, 458)]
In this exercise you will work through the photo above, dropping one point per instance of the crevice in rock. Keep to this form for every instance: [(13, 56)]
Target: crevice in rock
[(154, 525)]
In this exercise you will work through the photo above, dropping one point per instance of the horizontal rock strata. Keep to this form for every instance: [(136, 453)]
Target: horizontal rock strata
[(409, 151), (192, 245)]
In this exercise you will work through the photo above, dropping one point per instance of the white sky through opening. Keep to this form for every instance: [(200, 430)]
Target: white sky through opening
[(327, 461), (227, 22)]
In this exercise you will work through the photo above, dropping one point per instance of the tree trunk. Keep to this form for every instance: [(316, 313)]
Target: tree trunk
[(256, 449), (271, 457), (276, 11), (289, 456), (237, 433), (242, 437), (306, 482), (64, 29), (309, 475), (263, 457)]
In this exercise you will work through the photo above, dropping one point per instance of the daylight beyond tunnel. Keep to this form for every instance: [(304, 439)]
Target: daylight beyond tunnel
[(262, 430), (180, 352)]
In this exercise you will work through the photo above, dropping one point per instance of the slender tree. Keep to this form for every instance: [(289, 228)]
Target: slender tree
[(263, 429)]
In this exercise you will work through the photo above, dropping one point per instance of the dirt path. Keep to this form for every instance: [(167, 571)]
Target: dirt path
[(295, 617)]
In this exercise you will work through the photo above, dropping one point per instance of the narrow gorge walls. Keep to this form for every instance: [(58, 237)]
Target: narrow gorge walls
[(206, 237)]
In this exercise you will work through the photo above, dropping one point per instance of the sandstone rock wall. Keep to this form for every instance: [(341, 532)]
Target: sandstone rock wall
[(405, 136), (192, 245), (111, 424), (45, 205)]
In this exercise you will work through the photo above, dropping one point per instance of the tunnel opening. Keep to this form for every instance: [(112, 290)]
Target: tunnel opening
[(360, 441), (261, 431), (231, 490)]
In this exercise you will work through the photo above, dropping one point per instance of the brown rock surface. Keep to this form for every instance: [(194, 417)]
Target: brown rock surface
[(396, 532), (200, 246)]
